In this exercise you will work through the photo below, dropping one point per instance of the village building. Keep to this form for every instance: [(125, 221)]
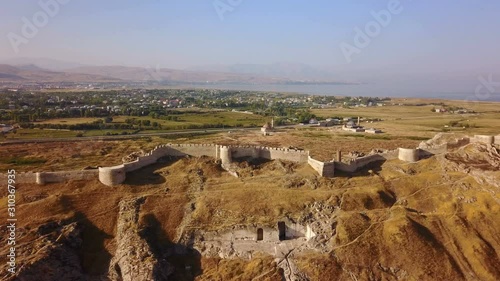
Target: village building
[(267, 128)]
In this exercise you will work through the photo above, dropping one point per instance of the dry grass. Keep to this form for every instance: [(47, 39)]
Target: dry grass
[(411, 120), (418, 221), (415, 207)]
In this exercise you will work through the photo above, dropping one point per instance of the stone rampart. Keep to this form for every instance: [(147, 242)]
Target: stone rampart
[(225, 155), (409, 154), (246, 233), (483, 139), (28, 177), (112, 175), (324, 169), (360, 162), (293, 155), (270, 153), (196, 150), (64, 176), (117, 174)]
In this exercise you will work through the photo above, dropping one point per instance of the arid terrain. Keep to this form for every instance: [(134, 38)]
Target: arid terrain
[(436, 219)]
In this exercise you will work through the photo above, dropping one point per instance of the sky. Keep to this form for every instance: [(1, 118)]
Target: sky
[(446, 40)]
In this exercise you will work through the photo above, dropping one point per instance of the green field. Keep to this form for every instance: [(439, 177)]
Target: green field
[(230, 119), (183, 120)]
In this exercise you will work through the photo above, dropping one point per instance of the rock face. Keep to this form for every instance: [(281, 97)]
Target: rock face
[(481, 161), (134, 259), (55, 254), (435, 219)]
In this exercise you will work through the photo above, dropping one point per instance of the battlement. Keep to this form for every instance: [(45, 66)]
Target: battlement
[(226, 153)]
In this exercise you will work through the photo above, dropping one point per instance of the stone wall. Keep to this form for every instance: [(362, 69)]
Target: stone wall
[(225, 153), (52, 177), (244, 233), (324, 169), (249, 233), (270, 153), (295, 230), (28, 177), (484, 139), (112, 175), (117, 174), (64, 176), (361, 162), (409, 154), (196, 150), (174, 150)]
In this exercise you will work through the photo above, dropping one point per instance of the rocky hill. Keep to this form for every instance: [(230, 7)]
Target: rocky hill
[(188, 219), (32, 73)]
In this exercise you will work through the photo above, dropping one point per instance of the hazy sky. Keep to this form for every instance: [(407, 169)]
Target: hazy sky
[(448, 38)]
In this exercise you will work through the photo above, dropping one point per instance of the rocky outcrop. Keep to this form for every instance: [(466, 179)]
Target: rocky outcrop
[(134, 260), (482, 161), (55, 253)]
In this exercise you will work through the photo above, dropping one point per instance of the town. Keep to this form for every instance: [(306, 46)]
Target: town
[(150, 110)]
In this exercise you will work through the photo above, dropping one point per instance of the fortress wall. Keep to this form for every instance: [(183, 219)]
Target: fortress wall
[(196, 150), (324, 169), (350, 167), (483, 139), (64, 176), (269, 153), (27, 177), (248, 233), (409, 154), (245, 151), (140, 162), (295, 230), (497, 139), (176, 150), (112, 175), (225, 155), (363, 161), (293, 155)]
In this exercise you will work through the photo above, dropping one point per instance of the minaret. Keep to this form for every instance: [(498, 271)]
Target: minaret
[(358, 120), (272, 123)]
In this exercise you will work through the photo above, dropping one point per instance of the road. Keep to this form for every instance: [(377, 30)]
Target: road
[(122, 137)]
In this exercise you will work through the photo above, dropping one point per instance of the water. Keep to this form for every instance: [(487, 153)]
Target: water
[(366, 90)]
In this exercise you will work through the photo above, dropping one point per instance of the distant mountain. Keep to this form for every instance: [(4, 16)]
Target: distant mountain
[(45, 63), (296, 71), (32, 73), (174, 75), (282, 73), (30, 67)]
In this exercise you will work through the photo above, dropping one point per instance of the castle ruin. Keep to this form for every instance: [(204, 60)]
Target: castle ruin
[(116, 175)]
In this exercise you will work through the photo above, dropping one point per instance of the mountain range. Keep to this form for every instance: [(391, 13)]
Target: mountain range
[(49, 70)]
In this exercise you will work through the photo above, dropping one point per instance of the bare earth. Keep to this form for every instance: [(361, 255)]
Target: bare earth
[(436, 219)]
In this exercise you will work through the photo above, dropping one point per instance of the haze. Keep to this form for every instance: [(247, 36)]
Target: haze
[(430, 47)]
